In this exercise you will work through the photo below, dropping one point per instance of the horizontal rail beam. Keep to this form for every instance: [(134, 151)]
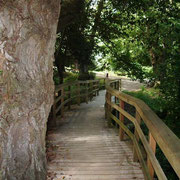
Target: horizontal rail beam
[(165, 138)]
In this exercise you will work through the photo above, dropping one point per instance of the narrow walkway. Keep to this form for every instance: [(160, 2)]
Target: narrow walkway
[(84, 148)]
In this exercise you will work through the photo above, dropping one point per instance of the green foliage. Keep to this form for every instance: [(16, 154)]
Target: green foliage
[(151, 98), (76, 33), (87, 76), (56, 77), (70, 77), (101, 83)]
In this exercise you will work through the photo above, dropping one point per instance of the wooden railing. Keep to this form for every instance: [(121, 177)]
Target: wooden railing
[(158, 132), (73, 93)]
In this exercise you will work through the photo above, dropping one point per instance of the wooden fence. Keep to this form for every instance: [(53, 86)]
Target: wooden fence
[(73, 93), (158, 132)]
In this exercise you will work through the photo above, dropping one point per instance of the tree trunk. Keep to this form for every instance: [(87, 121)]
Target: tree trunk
[(59, 62), (27, 38), (83, 72)]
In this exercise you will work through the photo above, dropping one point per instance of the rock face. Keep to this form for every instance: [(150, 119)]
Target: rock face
[(27, 39)]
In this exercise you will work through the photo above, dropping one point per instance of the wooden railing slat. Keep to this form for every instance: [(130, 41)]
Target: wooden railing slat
[(138, 118), (121, 131), (80, 88), (152, 144)]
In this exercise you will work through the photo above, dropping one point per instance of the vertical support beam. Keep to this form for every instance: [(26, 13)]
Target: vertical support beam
[(120, 84), (105, 82), (98, 87), (105, 106), (117, 112), (138, 119), (62, 101), (87, 91), (78, 92), (152, 144), (91, 90), (121, 131), (115, 86), (54, 110), (88, 88), (69, 96), (94, 88), (109, 109), (115, 100)]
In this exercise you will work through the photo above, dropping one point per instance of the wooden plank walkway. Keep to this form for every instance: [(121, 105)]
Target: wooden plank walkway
[(82, 147)]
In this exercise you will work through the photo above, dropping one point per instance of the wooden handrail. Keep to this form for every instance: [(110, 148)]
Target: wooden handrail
[(73, 90), (159, 133)]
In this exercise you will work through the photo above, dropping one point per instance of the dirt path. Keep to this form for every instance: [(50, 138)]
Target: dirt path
[(130, 85), (82, 147), (127, 83)]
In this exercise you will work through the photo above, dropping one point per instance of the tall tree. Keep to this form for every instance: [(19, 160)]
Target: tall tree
[(27, 39), (78, 33)]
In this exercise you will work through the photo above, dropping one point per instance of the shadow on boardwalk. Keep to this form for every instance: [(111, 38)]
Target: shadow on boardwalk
[(82, 147)]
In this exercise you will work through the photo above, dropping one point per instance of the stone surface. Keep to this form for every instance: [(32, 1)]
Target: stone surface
[(82, 147), (27, 39)]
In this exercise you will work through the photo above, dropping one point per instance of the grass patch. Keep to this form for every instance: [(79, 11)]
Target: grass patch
[(152, 98)]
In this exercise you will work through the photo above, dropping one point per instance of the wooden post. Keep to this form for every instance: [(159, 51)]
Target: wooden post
[(86, 85), (117, 113), (94, 88), (138, 119), (88, 88), (91, 90), (109, 109), (105, 82), (69, 96), (98, 87), (54, 111), (120, 84), (105, 106), (62, 101), (78, 92), (121, 131), (152, 144), (115, 86)]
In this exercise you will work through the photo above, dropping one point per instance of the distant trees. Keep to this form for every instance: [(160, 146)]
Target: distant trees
[(141, 38), (78, 34), (148, 35)]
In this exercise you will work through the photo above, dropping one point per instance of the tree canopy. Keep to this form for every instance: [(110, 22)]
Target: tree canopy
[(140, 38)]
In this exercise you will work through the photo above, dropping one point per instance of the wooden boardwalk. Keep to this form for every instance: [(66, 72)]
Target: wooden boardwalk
[(82, 147)]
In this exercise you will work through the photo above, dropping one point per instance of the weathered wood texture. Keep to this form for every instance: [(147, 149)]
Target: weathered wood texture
[(158, 133), (27, 40), (84, 148), (80, 91)]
